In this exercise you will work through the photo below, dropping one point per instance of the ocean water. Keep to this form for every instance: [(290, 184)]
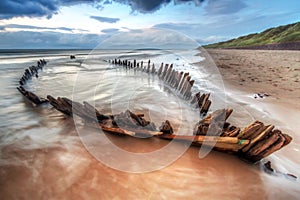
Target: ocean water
[(46, 155)]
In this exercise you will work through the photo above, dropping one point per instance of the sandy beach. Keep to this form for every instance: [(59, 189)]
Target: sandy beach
[(44, 151), (273, 72)]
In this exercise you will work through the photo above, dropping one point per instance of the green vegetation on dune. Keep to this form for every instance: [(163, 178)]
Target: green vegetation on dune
[(281, 34)]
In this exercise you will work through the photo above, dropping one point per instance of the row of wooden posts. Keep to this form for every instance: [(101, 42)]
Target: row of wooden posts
[(253, 143), (30, 72), (178, 81)]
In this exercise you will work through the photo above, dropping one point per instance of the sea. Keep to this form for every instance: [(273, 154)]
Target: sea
[(47, 155)]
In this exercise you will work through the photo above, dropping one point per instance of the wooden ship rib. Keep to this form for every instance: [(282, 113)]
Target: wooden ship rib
[(252, 143)]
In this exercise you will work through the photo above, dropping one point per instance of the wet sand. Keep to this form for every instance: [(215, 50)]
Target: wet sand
[(43, 156)]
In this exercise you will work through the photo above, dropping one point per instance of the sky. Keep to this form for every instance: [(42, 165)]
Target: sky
[(84, 24)]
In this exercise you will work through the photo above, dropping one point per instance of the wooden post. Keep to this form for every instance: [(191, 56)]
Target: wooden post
[(205, 108), (160, 70), (153, 69), (148, 69), (168, 73), (171, 78), (177, 81), (165, 71), (196, 98), (185, 84), (182, 81), (200, 101), (187, 91)]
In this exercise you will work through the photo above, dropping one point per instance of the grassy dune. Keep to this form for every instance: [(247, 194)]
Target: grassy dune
[(279, 35)]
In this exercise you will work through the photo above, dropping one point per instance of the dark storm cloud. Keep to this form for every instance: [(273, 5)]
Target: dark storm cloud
[(149, 6), (223, 7), (36, 8), (145, 6), (41, 8), (30, 8), (105, 19)]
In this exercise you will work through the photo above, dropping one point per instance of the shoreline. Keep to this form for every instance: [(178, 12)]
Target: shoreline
[(43, 150), (246, 73), (281, 108)]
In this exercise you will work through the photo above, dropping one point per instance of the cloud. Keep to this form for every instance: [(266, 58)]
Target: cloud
[(30, 8), (223, 7), (47, 8), (132, 30), (174, 26), (145, 6), (110, 30), (202, 33), (105, 19), (19, 26), (51, 40), (36, 8), (211, 39), (149, 38)]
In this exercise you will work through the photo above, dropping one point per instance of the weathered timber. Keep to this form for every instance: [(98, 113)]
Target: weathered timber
[(164, 71), (258, 137), (148, 69), (227, 144), (203, 125), (168, 74), (92, 109), (195, 98), (204, 109), (232, 133), (129, 119), (204, 103), (178, 78), (153, 69), (173, 80), (187, 91), (249, 130), (160, 70), (263, 145), (31, 96), (57, 105), (170, 78), (182, 81), (166, 127), (185, 83)]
